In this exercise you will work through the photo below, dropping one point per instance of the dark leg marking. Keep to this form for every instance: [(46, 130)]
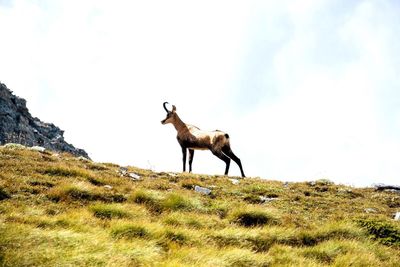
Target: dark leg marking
[(191, 155), (223, 157), (184, 158), (228, 151)]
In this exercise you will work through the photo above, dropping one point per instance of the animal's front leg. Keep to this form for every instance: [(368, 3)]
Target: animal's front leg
[(191, 155), (184, 158)]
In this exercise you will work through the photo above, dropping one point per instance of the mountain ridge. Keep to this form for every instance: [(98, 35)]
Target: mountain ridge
[(17, 125)]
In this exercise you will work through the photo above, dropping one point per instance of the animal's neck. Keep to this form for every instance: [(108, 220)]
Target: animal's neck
[(179, 124)]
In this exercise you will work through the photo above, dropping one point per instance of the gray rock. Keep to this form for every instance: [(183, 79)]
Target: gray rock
[(397, 216), (134, 176), (18, 126), (234, 181), (266, 199), (38, 148), (370, 210), (123, 171), (202, 190), (108, 187)]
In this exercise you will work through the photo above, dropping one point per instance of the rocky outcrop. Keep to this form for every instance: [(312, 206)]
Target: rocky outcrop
[(18, 126)]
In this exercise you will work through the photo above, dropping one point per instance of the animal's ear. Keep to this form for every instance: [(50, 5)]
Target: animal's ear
[(173, 108)]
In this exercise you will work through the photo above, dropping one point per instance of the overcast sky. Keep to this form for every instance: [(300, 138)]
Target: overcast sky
[(306, 89)]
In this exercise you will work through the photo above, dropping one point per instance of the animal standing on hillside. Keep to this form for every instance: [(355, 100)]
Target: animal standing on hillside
[(192, 138)]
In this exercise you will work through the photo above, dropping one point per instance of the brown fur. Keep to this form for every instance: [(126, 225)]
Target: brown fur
[(192, 138)]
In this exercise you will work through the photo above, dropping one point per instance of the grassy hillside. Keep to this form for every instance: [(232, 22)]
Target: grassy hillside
[(58, 210)]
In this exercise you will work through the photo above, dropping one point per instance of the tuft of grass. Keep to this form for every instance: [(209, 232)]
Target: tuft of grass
[(97, 167), (360, 259), (41, 183), (71, 192), (185, 220), (158, 204), (76, 193), (130, 231), (254, 240), (323, 181), (220, 208), (252, 218), (190, 183), (4, 194), (312, 237), (385, 232), (96, 181), (176, 237), (110, 197), (194, 223), (253, 199), (282, 255), (243, 258), (177, 202), (143, 197), (256, 189), (149, 199), (62, 171), (326, 252), (103, 211)]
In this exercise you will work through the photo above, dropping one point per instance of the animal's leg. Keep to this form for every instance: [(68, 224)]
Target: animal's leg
[(228, 151), (191, 155), (184, 158), (223, 157)]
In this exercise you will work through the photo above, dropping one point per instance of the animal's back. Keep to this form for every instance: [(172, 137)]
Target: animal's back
[(208, 139)]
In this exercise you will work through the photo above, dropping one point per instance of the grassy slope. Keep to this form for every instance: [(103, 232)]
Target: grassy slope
[(56, 211)]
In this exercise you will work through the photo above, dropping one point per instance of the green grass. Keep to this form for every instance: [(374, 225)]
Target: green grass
[(130, 231), (177, 202), (149, 199), (103, 211), (84, 193), (58, 210), (61, 171), (382, 230), (252, 218)]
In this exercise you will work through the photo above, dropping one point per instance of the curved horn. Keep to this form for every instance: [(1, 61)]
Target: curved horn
[(166, 107)]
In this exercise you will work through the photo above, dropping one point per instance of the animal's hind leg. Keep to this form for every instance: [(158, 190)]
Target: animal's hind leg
[(228, 151), (223, 157)]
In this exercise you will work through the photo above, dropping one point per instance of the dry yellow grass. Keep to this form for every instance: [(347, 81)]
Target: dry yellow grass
[(58, 210)]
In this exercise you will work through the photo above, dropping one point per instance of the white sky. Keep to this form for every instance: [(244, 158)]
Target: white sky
[(306, 89)]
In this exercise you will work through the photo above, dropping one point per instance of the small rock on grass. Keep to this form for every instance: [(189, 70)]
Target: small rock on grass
[(38, 148), (234, 181), (202, 190), (370, 210)]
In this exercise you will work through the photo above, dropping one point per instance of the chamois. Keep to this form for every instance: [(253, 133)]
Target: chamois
[(192, 138)]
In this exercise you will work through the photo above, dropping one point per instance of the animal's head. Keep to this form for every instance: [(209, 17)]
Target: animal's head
[(170, 114)]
